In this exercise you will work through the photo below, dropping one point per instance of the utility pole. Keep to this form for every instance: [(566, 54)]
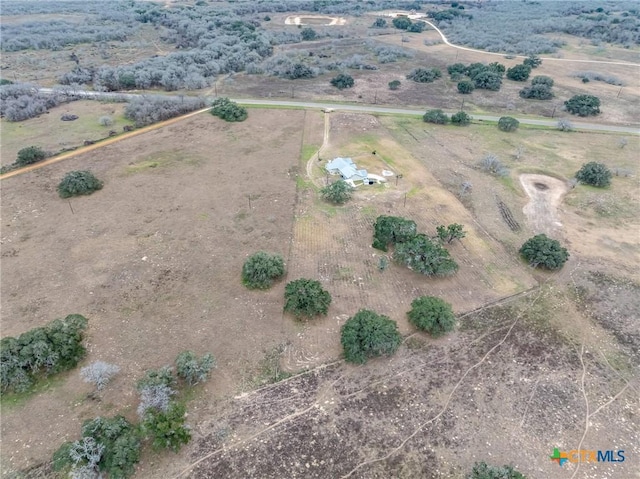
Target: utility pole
[(554, 111)]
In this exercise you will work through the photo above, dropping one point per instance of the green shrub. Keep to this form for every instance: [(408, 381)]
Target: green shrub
[(109, 445), (262, 269), (435, 116), (368, 334), (432, 315), (166, 429), (390, 230), (519, 73), (594, 174), (508, 123), (338, 192), (424, 256), (545, 252), (424, 75), (228, 110), (465, 87), (481, 470), (76, 183), (460, 119), (394, 84), (157, 377), (342, 81), (306, 297), (447, 234), (583, 105), (29, 155), (41, 352), (192, 369)]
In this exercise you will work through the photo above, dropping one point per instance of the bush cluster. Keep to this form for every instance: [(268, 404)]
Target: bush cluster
[(338, 192), (41, 352), (414, 250), (432, 315), (148, 109), (481, 76), (228, 110), (368, 334), (77, 183), (306, 298), (342, 81), (262, 269), (541, 251), (583, 105), (594, 174), (424, 75)]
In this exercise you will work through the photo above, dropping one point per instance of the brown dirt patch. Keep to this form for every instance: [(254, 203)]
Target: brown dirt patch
[(545, 195)]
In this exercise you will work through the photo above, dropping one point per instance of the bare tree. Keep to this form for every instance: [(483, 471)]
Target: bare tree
[(99, 374)]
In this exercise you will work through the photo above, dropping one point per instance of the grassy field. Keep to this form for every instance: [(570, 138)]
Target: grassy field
[(53, 135)]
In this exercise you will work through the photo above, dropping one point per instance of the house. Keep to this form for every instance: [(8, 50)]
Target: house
[(347, 169)]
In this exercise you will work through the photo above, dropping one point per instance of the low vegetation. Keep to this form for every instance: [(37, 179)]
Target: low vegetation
[(544, 252), (41, 352), (149, 109), (460, 119), (29, 155), (338, 192), (113, 445), (306, 298), (594, 174), (78, 183), (262, 269), (583, 105), (368, 334), (508, 123), (436, 116), (424, 75), (481, 470), (228, 110), (342, 81), (432, 315)]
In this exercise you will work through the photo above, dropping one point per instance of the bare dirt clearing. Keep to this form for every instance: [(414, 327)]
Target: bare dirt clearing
[(545, 195), (315, 20), (153, 260)]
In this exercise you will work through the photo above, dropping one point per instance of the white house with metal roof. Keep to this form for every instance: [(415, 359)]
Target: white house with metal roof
[(349, 172)]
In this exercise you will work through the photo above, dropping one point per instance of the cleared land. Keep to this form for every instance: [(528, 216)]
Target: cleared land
[(153, 260)]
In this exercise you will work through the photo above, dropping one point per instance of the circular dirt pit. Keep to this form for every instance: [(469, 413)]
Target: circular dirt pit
[(541, 186)]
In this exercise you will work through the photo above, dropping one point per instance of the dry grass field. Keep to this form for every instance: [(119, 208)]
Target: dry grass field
[(153, 260), (539, 359)]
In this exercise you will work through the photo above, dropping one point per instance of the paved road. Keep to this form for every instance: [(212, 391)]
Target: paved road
[(577, 125)]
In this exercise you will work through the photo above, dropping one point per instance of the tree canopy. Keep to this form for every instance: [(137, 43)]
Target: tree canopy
[(481, 470), (508, 123), (541, 251), (432, 315), (228, 110), (261, 269), (368, 334), (460, 119), (343, 81), (424, 75), (583, 105), (338, 192), (424, 256), (401, 23), (306, 298), (390, 230), (29, 155), (77, 183), (594, 174), (436, 116), (465, 87), (519, 73)]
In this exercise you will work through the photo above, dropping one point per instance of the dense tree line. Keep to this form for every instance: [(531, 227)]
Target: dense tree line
[(149, 109), (531, 22), (21, 101)]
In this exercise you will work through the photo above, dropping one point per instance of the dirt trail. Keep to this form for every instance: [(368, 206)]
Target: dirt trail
[(545, 194), (100, 144), (325, 144)]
